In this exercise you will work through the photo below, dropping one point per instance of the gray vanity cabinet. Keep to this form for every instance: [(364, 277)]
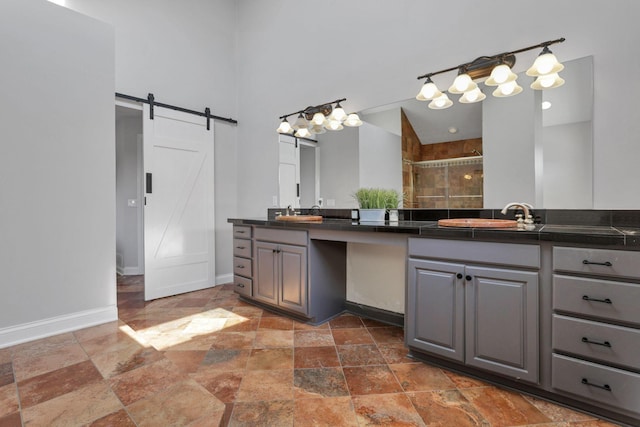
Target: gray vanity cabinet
[(281, 269), (480, 315), (281, 275), (242, 260), (596, 327)]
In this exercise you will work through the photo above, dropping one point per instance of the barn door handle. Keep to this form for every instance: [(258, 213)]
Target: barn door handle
[(149, 182)]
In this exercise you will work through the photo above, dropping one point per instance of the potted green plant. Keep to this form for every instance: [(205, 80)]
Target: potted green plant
[(374, 202)]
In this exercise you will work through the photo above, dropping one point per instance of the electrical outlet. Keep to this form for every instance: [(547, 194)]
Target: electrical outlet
[(274, 201), (132, 203), (331, 202)]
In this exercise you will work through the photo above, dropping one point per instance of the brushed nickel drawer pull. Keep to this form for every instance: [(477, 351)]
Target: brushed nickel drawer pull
[(603, 387), (239, 266), (240, 247), (240, 285), (240, 231), (604, 343), (588, 298), (606, 263)]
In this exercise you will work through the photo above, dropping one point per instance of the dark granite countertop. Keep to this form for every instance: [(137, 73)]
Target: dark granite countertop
[(601, 235)]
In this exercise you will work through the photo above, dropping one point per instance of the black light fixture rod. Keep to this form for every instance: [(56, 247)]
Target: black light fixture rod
[(539, 45), (173, 107), (309, 108)]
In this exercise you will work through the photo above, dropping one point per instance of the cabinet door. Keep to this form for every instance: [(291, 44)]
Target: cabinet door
[(293, 277), (435, 308), (502, 321), (266, 272)]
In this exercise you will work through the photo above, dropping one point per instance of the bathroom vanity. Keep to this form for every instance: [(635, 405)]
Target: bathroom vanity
[(551, 311)]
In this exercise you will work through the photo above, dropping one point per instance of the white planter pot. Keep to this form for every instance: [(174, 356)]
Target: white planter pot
[(372, 215)]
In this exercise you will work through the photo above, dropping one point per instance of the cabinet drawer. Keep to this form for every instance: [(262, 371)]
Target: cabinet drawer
[(242, 266), (242, 231), (242, 285), (242, 247), (511, 254), (604, 299), (602, 262), (291, 237), (595, 340), (585, 379)]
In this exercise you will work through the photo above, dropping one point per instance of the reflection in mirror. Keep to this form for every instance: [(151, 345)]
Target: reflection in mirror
[(500, 150), (441, 153)]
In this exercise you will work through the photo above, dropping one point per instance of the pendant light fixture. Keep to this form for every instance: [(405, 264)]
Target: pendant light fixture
[(318, 119), (497, 71)]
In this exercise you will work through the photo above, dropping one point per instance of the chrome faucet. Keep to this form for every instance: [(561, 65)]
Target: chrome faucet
[(527, 221)]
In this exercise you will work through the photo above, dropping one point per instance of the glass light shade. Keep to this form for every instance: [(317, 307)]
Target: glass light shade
[(352, 120), (428, 91), (472, 96), (546, 63), (333, 125), (507, 89), (547, 82), (303, 133), (285, 127), (318, 119), (316, 129), (338, 114), (462, 83), (300, 123), (440, 103), (501, 74), (546, 105)]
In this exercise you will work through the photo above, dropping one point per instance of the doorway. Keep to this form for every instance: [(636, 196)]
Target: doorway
[(129, 191)]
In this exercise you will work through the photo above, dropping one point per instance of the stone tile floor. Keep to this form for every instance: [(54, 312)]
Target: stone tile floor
[(207, 359)]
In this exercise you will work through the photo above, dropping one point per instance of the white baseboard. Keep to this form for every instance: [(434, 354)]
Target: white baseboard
[(56, 325), (223, 279), (131, 271)]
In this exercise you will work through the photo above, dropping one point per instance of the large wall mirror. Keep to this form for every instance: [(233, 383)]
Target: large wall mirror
[(535, 147)]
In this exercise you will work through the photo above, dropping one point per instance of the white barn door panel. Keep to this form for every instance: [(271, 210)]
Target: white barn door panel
[(179, 210), (289, 173)]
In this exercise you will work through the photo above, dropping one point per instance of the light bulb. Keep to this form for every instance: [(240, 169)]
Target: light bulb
[(430, 91), (352, 120), (548, 80), (546, 105), (507, 88), (440, 103), (284, 127), (544, 63), (472, 96), (462, 83), (334, 125), (318, 119), (338, 114), (303, 133), (501, 73)]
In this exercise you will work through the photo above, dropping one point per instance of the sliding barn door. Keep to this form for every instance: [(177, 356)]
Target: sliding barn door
[(178, 213)]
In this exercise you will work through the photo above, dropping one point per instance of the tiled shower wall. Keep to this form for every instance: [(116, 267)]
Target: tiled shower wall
[(430, 181)]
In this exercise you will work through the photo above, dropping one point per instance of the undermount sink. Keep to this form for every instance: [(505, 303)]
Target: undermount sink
[(478, 223), (299, 218)]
